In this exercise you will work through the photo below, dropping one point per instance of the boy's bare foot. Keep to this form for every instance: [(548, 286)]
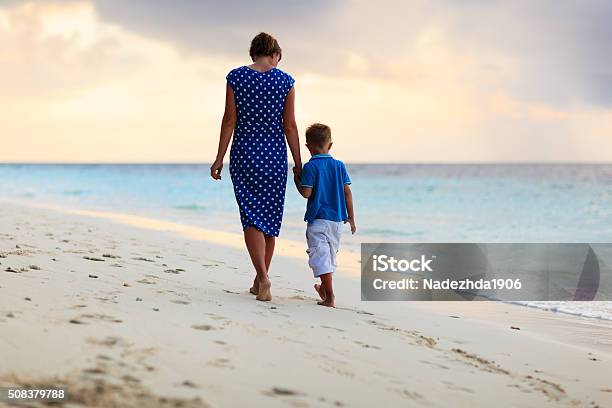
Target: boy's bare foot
[(320, 291), (264, 293), (255, 288), (328, 303)]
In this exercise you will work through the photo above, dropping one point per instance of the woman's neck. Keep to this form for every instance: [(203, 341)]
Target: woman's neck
[(262, 64)]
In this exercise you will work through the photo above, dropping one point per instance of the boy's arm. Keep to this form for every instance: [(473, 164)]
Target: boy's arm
[(304, 191), (348, 195)]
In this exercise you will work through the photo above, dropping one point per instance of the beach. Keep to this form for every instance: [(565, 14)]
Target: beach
[(126, 311)]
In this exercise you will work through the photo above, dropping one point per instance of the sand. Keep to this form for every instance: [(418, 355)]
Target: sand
[(129, 312)]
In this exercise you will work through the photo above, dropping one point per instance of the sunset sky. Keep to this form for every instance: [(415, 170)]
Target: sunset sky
[(398, 81)]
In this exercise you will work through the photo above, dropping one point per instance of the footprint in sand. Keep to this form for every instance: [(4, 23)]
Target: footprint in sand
[(442, 366), (452, 386), (480, 362), (412, 395), (297, 297), (141, 258), (417, 337), (93, 258), (146, 281), (189, 384), (130, 379), (281, 391), (95, 371), (215, 316), (332, 328), (204, 327), (365, 345), (86, 318), (221, 363)]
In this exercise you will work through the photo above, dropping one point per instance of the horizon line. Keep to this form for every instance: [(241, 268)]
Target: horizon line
[(144, 163)]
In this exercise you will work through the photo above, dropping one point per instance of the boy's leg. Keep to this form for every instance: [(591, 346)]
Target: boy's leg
[(320, 290), (327, 288)]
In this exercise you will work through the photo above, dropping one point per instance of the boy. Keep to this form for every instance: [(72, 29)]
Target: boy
[(325, 183)]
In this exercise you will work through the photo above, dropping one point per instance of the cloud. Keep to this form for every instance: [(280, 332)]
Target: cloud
[(85, 80), (220, 27), (558, 53), (561, 51)]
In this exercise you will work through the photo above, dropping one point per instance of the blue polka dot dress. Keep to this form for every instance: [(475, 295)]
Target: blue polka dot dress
[(258, 157)]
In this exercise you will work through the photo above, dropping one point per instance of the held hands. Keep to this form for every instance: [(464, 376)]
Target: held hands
[(215, 170), (297, 173), (297, 170), (352, 224)]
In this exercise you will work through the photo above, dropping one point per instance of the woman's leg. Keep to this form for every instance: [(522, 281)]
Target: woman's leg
[(256, 245), (269, 252), (270, 241)]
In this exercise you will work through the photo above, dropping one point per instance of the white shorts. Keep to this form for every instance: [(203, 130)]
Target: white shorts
[(323, 238)]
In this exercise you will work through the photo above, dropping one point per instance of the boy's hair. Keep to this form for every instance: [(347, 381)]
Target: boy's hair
[(263, 44), (318, 134)]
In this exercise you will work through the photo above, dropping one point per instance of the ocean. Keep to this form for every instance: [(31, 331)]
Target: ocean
[(393, 202)]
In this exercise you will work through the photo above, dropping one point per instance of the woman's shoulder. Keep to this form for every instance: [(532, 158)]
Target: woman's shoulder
[(285, 77), (283, 73), (237, 71), (237, 76)]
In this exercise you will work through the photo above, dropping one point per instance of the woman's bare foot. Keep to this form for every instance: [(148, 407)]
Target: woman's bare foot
[(327, 302), (264, 293), (320, 291), (255, 288)]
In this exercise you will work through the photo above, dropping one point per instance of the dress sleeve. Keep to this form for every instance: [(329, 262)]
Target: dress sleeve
[(289, 81), (307, 178), (232, 78), (345, 177)]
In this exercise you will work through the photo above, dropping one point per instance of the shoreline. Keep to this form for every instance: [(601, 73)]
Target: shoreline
[(185, 327), (349, 260)]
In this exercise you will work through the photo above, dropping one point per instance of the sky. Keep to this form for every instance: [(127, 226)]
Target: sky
[(397, 81)]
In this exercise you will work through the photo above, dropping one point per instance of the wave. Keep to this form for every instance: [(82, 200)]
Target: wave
[(601, 310), (190, 207)]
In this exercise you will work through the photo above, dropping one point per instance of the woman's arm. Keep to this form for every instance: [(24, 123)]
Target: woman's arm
[(228, 123), (291, 131)]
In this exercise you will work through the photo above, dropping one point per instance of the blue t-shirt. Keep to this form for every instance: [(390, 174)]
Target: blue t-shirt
[(327, 177)]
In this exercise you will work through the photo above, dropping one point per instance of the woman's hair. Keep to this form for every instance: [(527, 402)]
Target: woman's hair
[(264, 45)]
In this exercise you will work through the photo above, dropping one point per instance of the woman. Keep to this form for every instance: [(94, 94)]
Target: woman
[(259, 111)]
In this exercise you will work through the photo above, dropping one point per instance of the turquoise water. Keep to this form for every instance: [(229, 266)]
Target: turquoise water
[(393, 202), (440, 203)]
